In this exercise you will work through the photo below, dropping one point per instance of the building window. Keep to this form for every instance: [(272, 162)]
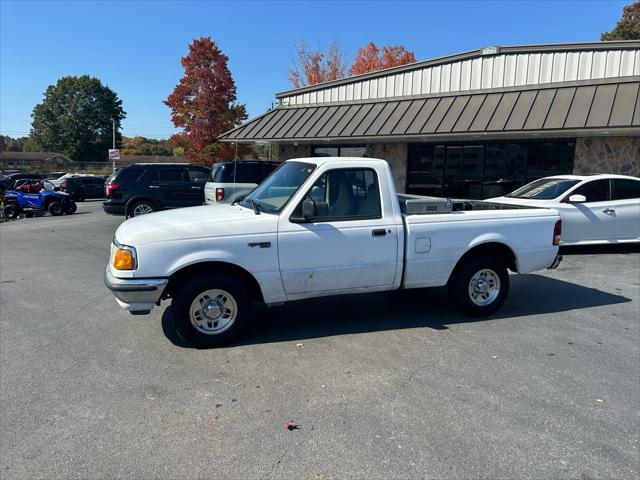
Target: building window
[(339, 151), (484, 170)]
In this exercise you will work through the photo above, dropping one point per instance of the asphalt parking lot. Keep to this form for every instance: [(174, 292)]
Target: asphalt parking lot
[(393, 385)]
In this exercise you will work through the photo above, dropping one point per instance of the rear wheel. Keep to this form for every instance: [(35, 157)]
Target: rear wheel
[(480, 286), (55, 209), (210, 311), (70, 208), (141, 207)]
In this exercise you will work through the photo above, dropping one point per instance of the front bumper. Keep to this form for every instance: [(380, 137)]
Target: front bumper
[(136, 295)]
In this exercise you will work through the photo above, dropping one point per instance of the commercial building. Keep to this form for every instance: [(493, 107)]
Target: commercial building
[(476, 124)]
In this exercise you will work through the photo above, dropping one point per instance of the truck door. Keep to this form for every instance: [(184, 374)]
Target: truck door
[(347, 245)]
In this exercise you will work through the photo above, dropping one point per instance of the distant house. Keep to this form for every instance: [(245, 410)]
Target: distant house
[(52, 161), (34, 161)]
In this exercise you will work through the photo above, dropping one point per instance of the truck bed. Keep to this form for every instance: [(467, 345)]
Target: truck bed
[(423, 205)]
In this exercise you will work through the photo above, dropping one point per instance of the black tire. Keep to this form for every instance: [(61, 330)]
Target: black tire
[(70, 208), (10, 211), (186, 295), (79, 196), (140, 205), (462, 292), (55, 209)]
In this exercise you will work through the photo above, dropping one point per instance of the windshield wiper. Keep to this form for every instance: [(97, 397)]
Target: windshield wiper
[(255, 206)]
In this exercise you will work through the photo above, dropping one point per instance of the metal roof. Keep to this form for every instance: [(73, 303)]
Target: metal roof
[(601, 107), (471, 54)]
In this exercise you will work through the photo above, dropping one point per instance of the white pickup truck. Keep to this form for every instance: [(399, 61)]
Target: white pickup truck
[(322, 226)]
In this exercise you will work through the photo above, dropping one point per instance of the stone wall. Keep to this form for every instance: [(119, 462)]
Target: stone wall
[(396, 154), (619, 155)]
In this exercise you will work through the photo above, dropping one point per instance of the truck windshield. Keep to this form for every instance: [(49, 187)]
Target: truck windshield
[(276, 190), (544, 189)]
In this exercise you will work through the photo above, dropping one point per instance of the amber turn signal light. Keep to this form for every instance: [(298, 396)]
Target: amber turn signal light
[(124, 260)]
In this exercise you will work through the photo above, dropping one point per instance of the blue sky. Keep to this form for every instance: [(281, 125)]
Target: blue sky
[(135, 47)]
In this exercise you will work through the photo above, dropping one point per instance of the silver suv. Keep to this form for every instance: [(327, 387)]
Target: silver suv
[(230, 180)]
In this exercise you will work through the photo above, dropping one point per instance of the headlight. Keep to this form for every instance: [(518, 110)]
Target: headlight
[(123, 257)]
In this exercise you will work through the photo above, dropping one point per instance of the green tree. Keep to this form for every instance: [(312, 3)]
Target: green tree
[(75, 118), (628, 27)]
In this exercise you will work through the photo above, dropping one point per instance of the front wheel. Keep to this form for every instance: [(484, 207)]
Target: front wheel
[(10, 211), (209, 311), (55, 209), (480, 286)]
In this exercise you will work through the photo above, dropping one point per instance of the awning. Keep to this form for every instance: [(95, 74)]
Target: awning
[(605, 107)]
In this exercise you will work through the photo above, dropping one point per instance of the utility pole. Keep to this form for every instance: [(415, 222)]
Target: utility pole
[(113, 122)]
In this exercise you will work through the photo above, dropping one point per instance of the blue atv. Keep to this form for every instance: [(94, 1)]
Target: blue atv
[(36, 196)]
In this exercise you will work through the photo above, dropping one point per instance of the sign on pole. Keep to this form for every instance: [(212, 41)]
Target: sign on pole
[(114, 154)]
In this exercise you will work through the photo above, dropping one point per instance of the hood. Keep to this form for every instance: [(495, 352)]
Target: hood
[(194, 222)]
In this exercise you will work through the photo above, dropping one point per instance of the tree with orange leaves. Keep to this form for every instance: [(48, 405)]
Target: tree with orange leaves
[(371, 58), (204, 104), (315, 66)]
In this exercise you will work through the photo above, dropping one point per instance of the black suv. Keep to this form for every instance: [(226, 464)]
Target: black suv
[(147, 187), (84, 187)]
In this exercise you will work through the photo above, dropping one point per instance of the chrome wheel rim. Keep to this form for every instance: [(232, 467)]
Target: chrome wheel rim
[(142, 209), (213, 311), (484, 287)]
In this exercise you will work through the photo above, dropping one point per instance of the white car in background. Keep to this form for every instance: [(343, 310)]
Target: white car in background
[(594, 208)]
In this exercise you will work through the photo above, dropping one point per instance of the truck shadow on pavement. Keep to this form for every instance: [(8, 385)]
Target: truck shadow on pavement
[(420, 308)]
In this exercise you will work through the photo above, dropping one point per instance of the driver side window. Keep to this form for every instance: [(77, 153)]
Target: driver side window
[(595, 191), (345, 194)]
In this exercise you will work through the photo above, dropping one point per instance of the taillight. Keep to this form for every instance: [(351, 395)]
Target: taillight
[(109, 188), (557, 232), (219, 194)]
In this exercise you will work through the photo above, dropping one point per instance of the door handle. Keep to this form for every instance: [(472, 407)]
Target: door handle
[(196, 188), (153, 186), (378, 232), (609, 210)]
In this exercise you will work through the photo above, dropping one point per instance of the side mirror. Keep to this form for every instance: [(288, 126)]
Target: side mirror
[(308, 209), (577, 199)]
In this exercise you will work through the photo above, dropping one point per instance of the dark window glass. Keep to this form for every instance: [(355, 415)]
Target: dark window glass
[(505, 169), (248, 173), (127, 175), (222, 173), (544, 189), (549, 158), (595, 191), (265, 170), (198, 175), (170, 175), (426, 170), (346, 194), (626, 189)]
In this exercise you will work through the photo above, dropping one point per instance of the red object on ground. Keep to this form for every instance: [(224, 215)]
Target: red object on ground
[(289, 425)]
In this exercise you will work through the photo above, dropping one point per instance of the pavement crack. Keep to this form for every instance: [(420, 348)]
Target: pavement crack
[(273, 467)]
